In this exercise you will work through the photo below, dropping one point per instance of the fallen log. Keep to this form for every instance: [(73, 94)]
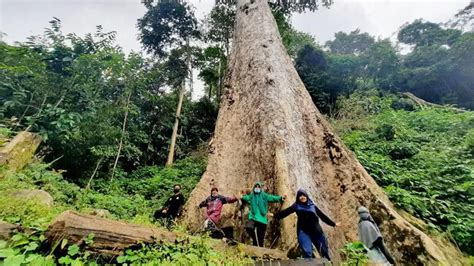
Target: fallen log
[(422, 103), (112, 237)]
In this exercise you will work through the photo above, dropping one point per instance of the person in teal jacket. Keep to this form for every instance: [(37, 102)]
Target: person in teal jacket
[(257, 223)]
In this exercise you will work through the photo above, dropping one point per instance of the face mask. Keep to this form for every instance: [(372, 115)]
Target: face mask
[(257, 190), (176, 190)]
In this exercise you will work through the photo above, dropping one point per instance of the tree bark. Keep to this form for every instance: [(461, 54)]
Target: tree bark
[(112, 237), (93, 173), (182, 91), (124, 125), (268, 129)]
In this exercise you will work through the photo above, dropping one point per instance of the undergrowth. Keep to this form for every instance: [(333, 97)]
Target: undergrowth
[(422, 157), (130, 197)]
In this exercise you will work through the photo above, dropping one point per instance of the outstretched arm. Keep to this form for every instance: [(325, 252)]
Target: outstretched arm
[(273, 198), (229, 200), (203, 203), (324, 218), (246, 198), (282, 214)]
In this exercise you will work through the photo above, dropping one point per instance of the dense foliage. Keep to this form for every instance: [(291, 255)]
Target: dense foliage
[(422, 157), (128, 196), (439, 66), (76, 92)]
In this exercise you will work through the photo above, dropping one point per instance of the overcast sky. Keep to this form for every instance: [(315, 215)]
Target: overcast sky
[(21, 18), (381, 18)]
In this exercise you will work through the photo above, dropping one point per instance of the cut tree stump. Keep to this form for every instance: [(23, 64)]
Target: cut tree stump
[(112, 237), (18, 152)]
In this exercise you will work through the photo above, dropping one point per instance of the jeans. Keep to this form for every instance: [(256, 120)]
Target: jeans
[(306, 242)]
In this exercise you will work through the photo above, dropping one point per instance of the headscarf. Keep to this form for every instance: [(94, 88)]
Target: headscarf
[(257, 200), (368, 230), (308, 206)]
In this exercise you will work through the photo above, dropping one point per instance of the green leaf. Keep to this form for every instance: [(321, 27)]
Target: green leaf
[(121, 259), (90, 239), (32, 246), (15, 260), (133, 258), (65, 260), (77, 262), (73, 250), (13, 219), (17, 237), (3, 244), (21, 243), (42, 261), (9, 252), (32, 257)]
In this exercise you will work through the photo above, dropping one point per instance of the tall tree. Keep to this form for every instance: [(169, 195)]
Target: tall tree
[(219, 26), (292, 39), (464, 19), (217, 33), (380, 62), (354, 43), (312, 65), (168, 27), (268, 129), (420, 34), (439, 68)]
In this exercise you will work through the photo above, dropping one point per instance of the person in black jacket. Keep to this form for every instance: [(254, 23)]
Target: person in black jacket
[(308, 228), (173, 205)]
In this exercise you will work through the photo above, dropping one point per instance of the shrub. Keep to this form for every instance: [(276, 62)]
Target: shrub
[(402, 150), (469, 142), (354, 254), (403, 104), (385, 131)]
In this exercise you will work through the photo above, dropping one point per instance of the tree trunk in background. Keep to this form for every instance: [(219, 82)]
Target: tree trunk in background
[(268, 129), (124, 126), (182, 92)]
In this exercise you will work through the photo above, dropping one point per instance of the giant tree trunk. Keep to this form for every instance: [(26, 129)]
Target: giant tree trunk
[(268, 129)]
